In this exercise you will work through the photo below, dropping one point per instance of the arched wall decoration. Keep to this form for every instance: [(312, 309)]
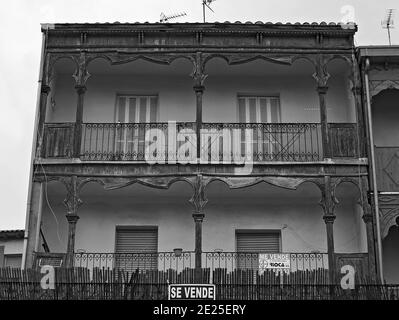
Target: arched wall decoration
[(242, 182), (389, 213), (117, 58), (241, 58), (376, 86), (153, 182)]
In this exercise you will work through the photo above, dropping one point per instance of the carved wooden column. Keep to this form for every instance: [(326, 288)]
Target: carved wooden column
[(45, 90), (35, 212), (199, 201), (199, 78), (72, 202), (369, 221), (81, 77), (360, 116), (328, 203), (322, 77)]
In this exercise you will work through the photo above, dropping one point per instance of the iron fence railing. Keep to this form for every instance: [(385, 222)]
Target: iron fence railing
[(163, 261), (231, 142), (160, 261), (130, 141)]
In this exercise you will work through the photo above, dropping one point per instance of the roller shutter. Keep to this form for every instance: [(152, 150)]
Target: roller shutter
[(255, 241), (136, 248), (258, 241)]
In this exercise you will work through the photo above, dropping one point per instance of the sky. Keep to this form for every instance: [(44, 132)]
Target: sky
[(21, 44)]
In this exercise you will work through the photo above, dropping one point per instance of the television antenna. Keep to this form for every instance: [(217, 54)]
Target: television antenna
[(388, 23), (206, 3), (165, 18)]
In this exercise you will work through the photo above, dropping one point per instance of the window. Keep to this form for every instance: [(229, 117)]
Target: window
[(256, 110), (255, 242), (13, 260), (136, 109), (136, 247), (133, 109)]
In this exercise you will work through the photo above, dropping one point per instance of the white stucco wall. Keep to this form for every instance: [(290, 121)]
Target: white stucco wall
[(298, 96)]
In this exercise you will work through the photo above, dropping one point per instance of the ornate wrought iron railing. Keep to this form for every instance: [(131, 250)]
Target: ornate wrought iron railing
[(229, 142), (220, 142), (226, 261), (231, 261), (128, 141), (131, 262)]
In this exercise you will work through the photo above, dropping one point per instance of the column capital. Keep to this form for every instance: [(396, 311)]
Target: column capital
[(329, 218), (367, 218), (357, 90), (322, 89), (80, 89), (72, 218), (45, 89), (199, 88), (198, 217)]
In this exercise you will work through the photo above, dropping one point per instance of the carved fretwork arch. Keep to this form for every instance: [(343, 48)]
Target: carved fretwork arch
[(50, 62), (389, 213), (377, 86)]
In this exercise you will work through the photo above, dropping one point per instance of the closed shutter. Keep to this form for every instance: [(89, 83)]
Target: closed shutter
[(258, 241), (254, 242), (136, 248), (13, 260)]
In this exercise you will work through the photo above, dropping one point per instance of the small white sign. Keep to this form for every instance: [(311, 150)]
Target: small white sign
[(274, 261), (191, 292)]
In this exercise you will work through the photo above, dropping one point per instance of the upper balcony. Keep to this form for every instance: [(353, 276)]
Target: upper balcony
[(141, 111)]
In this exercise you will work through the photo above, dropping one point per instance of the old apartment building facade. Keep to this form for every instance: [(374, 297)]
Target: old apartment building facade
[(202, 146)]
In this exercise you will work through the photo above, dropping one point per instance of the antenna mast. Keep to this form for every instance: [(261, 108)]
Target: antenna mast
[(388, 23), (206, 3), (165, 18)]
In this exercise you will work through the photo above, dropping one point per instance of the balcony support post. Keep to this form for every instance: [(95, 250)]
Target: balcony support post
[(199, 90), (199, 77), (199, 201), (44, 93), (355, 79), (321, 76), (81, 90), (81, 75), (322, 91), (328, 203), (72, 203), (34, 223), (369, 221)]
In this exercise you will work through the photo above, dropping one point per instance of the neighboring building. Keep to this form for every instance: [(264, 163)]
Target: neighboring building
[(293, 89), (11, 248), (381, 67)]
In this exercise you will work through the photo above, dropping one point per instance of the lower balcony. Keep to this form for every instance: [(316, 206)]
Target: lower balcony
[(219, 142)]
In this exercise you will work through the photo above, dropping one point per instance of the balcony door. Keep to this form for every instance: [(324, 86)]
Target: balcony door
[(256, 111), (133, 112)]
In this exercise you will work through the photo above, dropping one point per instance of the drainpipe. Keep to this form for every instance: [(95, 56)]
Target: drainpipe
[(373, 172), (33, 153)]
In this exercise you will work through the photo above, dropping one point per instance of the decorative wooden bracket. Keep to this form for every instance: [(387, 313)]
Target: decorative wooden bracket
[(198, 73), (72, 200), (81, 74), (199, 199)]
